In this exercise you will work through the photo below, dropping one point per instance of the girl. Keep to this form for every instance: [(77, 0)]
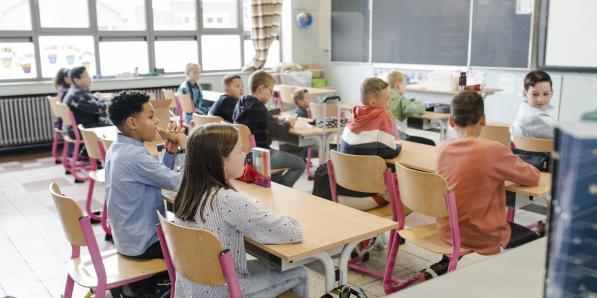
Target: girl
[(206, 200), (62, 82)]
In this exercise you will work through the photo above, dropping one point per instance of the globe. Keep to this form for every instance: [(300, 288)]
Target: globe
[(304, 19)]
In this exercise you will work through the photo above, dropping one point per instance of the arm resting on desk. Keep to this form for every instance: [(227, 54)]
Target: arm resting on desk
[(511, 168)]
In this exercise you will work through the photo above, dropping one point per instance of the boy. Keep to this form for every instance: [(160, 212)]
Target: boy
[(476, 169), (88, 109), (533, 119), (134, 178), (251, 111), (233, 90), (400, 106), (190, 86), (370, 131), (302, 99)]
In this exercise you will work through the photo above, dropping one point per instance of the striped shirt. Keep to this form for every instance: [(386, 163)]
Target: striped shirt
[(233, 217)]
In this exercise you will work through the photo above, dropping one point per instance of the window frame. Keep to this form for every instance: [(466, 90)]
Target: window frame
[(149, 35)]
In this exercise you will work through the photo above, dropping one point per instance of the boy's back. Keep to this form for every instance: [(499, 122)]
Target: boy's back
[(475, 170)]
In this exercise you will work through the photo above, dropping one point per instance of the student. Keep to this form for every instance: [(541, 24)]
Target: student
[(533, 119), (251, 111), (370, 131), (400, 106), (302, 99), (134, 178), (62, 83), (475, 170), (233, 90), (88, 109), (191, 87), (204, 201)]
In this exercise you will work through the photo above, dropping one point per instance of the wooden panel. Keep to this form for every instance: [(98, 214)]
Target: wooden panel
[(533, 145), (499, 132), (359, 172), (91, 143), (69, 213), (422, 192)]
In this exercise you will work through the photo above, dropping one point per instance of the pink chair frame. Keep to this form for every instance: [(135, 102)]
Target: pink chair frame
[(179, 109), (71, 164)]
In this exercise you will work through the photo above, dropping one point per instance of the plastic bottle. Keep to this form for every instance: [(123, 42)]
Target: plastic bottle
[(462, 81)]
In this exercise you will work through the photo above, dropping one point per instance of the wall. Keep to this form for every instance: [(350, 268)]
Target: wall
[(574, 93)]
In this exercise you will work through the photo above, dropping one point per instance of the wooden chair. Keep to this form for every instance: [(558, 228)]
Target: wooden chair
[(499, 132), (96, 152), (533, 145), (247, 139), (197, 255), (168, 94), (57, 131), (184, 105), (101, 270), (199, 120), (72, 164), (161, 110), (285, 93), (364, 173), (323, 110), (428, 194)]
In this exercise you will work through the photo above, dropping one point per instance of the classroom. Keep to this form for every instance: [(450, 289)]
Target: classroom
[(298, 148)]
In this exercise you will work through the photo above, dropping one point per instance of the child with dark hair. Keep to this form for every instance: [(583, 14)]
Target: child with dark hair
[(476, 170), (62, 83), (88, 109), (134, 178), (302, 100), (204, 201), (533, 119), (233, 90)]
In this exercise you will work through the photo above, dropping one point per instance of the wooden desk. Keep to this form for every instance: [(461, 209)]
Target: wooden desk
[(519, 272), (311, 90), (329, 228), (307, 135), (421, 88), (441, 119), (110, 132), (211, 95)]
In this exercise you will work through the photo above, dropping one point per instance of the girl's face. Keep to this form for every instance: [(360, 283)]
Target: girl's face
[(234, 163), (539, 95)]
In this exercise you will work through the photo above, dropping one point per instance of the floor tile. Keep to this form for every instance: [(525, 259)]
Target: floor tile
[(31, 289)]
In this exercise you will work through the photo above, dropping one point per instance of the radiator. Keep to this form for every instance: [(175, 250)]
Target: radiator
[(27, 120)]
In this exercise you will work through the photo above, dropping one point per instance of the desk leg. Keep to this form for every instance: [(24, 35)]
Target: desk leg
[(443, 130), (328, 268), (343, 261), (322, 150)]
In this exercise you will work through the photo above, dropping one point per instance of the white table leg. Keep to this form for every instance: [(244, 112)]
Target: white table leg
[(328, 269), (343, 261)]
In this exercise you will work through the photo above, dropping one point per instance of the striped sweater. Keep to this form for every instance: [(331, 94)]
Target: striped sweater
[(370, 131)]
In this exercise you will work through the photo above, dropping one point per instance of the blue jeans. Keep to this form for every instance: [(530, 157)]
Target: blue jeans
[(267, 282), (294, 164)]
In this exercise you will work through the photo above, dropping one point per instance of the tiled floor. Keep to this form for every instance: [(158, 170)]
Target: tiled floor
[(33, 248)]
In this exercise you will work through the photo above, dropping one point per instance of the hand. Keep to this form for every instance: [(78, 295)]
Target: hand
[(174, 134), (291, 120)]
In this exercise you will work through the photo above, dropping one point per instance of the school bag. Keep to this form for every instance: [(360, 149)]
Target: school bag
[(345, 291)]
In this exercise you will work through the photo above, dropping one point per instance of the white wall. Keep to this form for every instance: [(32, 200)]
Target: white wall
[(574, 93)]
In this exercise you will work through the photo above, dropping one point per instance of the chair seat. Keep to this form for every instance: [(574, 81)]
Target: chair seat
[(118, 268), (278, 171), (385, 211), (427, 236), (98, 176)]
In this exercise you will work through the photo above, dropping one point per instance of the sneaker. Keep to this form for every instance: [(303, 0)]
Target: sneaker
[(435, 270)]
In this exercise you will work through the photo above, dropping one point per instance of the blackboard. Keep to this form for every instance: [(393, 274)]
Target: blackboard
[(501, 34), (350, 30), (420, 32)]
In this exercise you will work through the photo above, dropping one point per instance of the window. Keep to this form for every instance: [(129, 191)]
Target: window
[(220, 52), (64, 13), (173, 56), (15, 15), (123, 56), (273, 55), (18, 60), (120, 15), (66, 51), (247, 22), (174, 15), (220, 13)]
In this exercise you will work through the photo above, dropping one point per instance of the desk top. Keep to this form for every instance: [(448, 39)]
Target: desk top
[(326, 224), (311, 90), (421, 88), (423, 158), (519, 272), (302, 128), (432, 116), (110, 132)]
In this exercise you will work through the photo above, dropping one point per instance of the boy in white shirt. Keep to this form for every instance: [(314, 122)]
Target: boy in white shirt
[(533, 119)]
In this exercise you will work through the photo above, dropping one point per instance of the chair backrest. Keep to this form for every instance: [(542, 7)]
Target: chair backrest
[(533, 145), (63, 112), (422, 192), (364, 173), (199, 120), (186, 103), (194, 253), (161, 110), (69, 213), (91, 143), (107, 143), (499, 132), (53, 100), (317, 110), (286, 93), (168, 94), (244, 136)]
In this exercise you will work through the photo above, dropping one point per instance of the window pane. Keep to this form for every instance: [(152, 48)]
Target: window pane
[(15, 15), (18, 60), (220, 14), (174, 15), (66, 51), (64, 13), (186, 52), (121, 15), (123, 56), (247, 21), (220, 52), (273, 55)]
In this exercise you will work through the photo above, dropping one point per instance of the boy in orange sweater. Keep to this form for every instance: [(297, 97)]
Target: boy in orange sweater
[(476, 170)]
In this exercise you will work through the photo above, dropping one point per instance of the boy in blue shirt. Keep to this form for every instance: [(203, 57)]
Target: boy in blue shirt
[(192, 88), (134, 178)]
